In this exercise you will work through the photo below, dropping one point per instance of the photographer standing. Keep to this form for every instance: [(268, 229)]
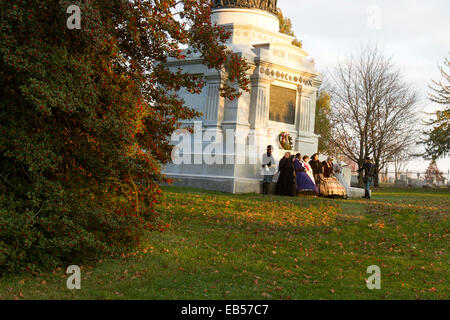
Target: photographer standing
[(369, 169)]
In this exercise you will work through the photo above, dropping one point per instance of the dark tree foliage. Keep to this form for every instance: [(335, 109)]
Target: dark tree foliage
[(84, 116), (437, 136)]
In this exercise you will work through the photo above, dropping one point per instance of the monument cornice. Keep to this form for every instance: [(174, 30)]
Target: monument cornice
[(257, 79), (240, 26), (187, 61), (282, 68), (286, 74), (277, 45), (306, 91)]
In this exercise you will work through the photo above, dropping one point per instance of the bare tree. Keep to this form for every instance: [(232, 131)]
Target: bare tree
[(399, 161), (373, 111), (393, 130)]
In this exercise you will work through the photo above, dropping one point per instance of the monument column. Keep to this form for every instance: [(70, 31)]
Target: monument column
[(312, 119), (213, 107), (306, 114), (259, 111), (213, 113)]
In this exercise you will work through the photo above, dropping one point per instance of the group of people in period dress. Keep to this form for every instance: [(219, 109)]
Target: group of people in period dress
[(302, 175)]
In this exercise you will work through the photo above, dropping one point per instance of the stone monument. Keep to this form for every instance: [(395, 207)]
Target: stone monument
[(284, 84)]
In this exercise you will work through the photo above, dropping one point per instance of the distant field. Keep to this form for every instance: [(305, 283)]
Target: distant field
[(222, 246)]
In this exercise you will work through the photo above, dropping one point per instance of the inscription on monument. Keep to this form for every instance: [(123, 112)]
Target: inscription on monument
[(282, 104)]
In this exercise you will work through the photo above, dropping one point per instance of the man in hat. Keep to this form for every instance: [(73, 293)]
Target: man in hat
[(369, 170), (268, 169)]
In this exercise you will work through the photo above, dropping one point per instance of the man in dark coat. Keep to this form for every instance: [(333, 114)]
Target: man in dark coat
[(286, 180), (369, 171)]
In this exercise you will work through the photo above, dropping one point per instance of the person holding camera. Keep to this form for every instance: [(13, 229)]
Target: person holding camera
[(369, 170)]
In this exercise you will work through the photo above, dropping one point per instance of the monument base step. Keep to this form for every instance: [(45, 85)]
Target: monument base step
[(235, 185), (356, 192), (218, 183)]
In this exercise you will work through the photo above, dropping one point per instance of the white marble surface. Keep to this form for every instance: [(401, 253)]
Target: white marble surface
[(273, 61)]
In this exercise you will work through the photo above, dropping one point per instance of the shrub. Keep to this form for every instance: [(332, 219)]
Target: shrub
[(84, 119)]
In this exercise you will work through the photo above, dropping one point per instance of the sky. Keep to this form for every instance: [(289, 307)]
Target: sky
[(414, 33)]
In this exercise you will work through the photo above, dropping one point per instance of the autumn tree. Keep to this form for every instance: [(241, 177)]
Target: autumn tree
[(432, 174), (286, 28), (399, 161), (373, 110), (84, 118), (437, 137)]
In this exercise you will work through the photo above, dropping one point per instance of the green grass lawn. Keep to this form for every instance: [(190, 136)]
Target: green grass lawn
[(222, 246)]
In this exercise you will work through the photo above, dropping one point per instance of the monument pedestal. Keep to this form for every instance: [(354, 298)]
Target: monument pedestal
[(284, 86)]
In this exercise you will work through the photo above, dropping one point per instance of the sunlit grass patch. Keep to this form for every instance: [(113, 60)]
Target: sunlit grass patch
[(239, 211)]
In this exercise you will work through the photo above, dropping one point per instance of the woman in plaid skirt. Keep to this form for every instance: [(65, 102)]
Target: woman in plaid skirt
[(329, 185)]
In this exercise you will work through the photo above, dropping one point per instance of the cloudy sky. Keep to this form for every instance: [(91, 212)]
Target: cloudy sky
[(414, 33)]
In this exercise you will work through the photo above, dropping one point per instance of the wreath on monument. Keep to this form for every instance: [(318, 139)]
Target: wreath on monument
[(285, 141)]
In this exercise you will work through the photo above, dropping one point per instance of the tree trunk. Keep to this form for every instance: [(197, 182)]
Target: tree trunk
[(376, 182), (360, 176), (376, 179), (361, 180)]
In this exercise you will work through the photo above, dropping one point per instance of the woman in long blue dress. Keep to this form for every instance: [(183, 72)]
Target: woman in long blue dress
[(304, 182)]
